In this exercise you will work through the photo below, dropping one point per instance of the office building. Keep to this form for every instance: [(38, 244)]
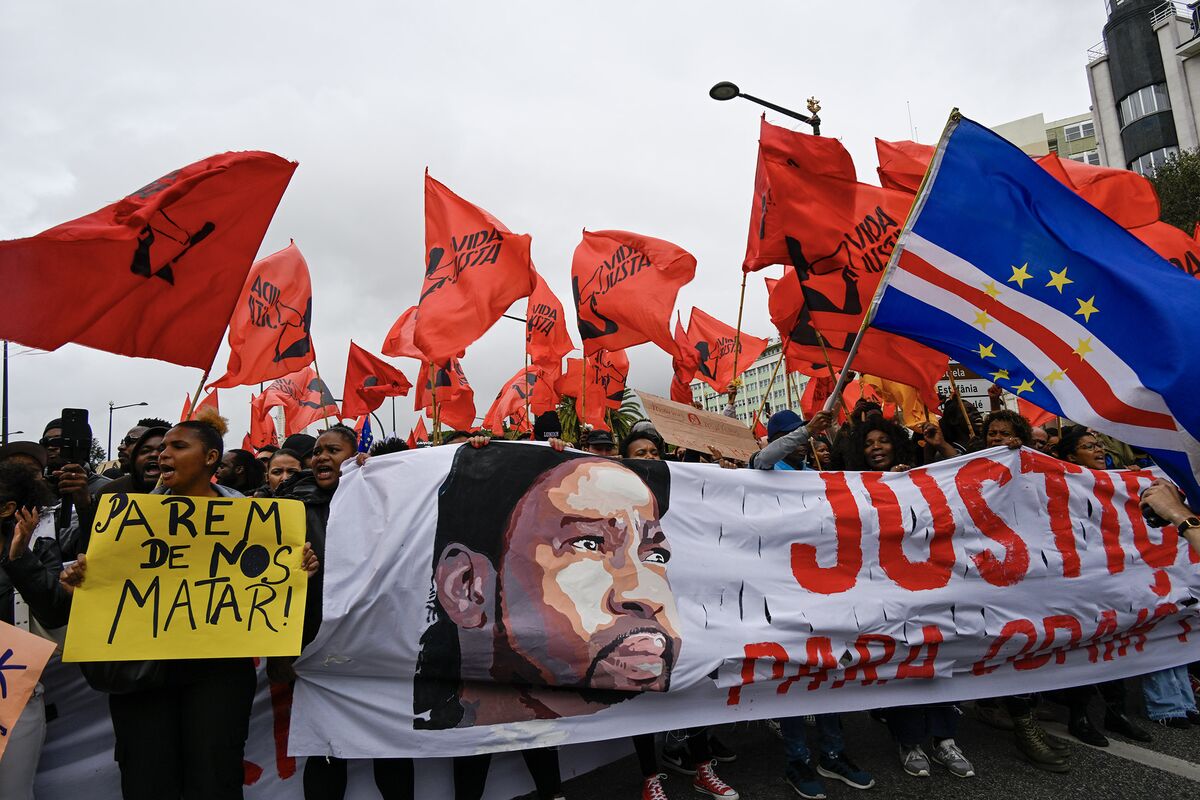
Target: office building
[(755, 383)]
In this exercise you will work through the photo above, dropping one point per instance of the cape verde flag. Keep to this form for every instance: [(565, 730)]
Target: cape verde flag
[(1007, 270)]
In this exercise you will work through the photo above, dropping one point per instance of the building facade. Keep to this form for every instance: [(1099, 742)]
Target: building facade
[(1073, 137), (1145, 83), (756, 381)]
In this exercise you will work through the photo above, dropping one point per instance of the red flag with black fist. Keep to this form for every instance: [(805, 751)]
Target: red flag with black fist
[(624, 285), (369, 381), (270, 331), (528, 390), (547, 340), (154, 275), (305, 399), (475, 268), (714, 342), (455, 397)]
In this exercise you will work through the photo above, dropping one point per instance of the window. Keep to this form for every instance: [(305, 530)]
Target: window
[(1083, 130), (1145, 101), (1147, 164), (1088, 157)]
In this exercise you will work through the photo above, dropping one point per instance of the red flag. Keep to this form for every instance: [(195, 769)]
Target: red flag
[(713, 342), (210, 401), (1035, 415), (603, 384), (760, 430), (131, 277), (270, 332), (305, 399), (624, 286), (262, 427), (902, 165), (547, 340), (1172, 244), (816, 392), (475, 269), (399, 342), (369, 381), (1127, 198), (455, 397), (528, 389), (684, 366), (418, 434)]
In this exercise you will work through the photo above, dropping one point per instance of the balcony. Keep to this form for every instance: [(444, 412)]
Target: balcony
[(1097, 52)]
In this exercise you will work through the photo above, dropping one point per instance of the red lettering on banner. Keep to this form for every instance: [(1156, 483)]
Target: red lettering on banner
[(1187, 628), (754, 652), (932, 638), (1105, 628), (841, 576), (865, 664), (1062, 622), (1057, 504), (818, 663), (1016, 627), (1110, 525), (1159, 555), (933, 573), (969, 480), (281, 718)]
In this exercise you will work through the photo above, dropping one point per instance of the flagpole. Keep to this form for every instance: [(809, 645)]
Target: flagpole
[(435, 419), (894, 259), (581, 406), (394, 416), (737, 336), (787, 381), (962, 407), (199, 391), (316, 369), (527, 391), (767, 394), (832, 375)]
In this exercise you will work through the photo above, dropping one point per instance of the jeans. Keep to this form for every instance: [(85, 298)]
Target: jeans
[(912, 725), (829, 737), (1168, 693)]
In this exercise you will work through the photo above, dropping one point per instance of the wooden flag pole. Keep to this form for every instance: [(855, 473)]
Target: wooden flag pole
[(436, 418), (581, 406), (832, 375), (787, 381), (962, 407), (766, 394), (737, 336), (528, 362), (199, 392)]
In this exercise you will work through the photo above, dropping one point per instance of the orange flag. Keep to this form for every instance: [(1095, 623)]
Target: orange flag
[(547, 340), (713, 342), (624, 286), (399, 342), (455, 397), (419, 433), (684, 366), (1035, 415), (603, 383), (154, 275), (305, 399), (475, 269), (816, 392), (904, 397), (528, 389), (270, 332), (369, 381), (210, 401), (902, 165), (262, 427)]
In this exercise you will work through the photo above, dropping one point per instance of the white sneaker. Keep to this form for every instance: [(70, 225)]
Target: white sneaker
[(914, 761), (947, 753)]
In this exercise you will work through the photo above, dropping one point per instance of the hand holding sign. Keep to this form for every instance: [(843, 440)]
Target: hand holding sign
[(188, 577)]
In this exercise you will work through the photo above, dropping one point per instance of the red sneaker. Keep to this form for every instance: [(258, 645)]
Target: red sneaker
[(653, 789), (708, 783)]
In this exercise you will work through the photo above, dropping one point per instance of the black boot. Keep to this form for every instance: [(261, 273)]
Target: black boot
[(1116, 721), (1082, 729), (1032, 743)]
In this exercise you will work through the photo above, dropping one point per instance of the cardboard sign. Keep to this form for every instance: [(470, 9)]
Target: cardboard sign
[(190, 577), (690, 427), (23, 656)]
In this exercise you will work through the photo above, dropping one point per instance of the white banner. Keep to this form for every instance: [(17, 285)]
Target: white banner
[(508, 597)]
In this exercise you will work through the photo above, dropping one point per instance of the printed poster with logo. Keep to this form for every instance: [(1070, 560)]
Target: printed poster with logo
[(190, 577), (511, 596)]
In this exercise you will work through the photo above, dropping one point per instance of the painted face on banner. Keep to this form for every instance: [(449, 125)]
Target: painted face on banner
[(583, 592)]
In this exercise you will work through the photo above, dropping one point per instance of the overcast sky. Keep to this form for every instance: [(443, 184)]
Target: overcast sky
[(554, 116)]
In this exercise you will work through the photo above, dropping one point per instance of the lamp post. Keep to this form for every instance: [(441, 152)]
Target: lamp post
[(111, 409), (727, 91)]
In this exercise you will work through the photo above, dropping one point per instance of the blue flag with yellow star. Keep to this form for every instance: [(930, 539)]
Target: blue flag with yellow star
[(1008, 271)]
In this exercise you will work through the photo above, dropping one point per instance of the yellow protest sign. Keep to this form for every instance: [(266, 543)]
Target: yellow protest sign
[(190, 577)]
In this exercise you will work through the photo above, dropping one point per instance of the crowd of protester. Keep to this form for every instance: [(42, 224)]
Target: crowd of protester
[(180, 726)]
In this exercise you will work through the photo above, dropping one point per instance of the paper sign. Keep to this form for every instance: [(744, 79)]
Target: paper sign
[(23, 656), (690, 427), (190, 577)]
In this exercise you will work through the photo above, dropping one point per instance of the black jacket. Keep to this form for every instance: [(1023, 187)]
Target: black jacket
[(35, 575), (303, 487)]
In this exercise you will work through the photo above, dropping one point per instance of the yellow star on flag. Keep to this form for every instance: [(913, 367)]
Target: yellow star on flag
[(992, 291), (1086, 308), (1020, 275), (982, 319), (1083, 348), (986, 350), (1059, 279), (1023, 386), (1054, 377), (999, 375)]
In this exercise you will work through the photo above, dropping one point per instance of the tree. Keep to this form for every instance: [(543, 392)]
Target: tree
[(1178, 185), (97, 454), (619, 420)]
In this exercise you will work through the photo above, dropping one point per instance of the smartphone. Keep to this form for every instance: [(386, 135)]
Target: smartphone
[(77, 435)]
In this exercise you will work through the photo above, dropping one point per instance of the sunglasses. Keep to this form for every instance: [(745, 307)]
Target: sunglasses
[(56, 441)]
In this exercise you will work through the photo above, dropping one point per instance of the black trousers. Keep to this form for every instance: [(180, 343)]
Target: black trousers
[(470, 773), (325, 778), (186, 739)]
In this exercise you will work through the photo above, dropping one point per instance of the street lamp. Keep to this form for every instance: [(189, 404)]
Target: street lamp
[(111, 409), (727, 91)]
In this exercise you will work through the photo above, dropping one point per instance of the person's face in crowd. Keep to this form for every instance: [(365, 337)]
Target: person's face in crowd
[(52, 440), (280, 469), (584, 596), (229, 473), (879, 451), (1040, 440), (602, 449), (821, 448), (327, 457), (999, 433), (145, 463), (184, 463), (1088, 453), (976, 418), (643, 448), (264, 458), (123, 446)]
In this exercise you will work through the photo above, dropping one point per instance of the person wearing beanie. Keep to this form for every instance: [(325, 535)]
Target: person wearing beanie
[(303, 444), (787, 438)]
